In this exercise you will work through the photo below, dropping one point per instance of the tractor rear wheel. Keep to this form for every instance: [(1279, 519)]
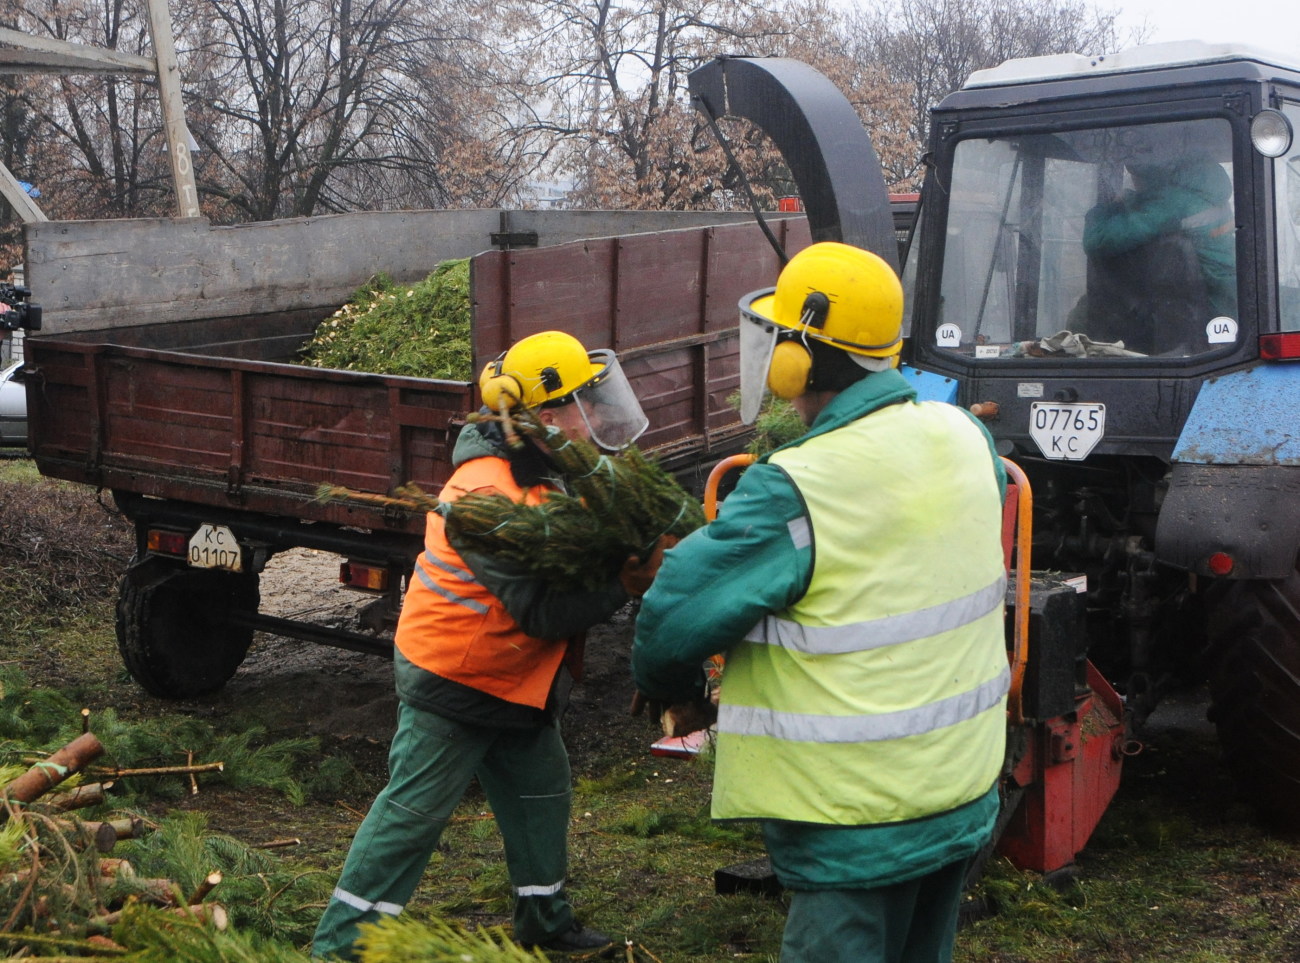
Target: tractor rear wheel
[(1254, 675), (173, 626)]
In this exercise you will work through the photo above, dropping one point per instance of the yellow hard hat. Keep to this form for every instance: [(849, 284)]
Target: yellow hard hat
[(838, 294), (544, 368), (832, 293)]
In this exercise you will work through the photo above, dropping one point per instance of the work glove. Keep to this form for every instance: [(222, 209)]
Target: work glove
[(636, 575), (679, 718)]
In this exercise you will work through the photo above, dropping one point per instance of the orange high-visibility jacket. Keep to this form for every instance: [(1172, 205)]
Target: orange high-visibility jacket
[(452, 626)]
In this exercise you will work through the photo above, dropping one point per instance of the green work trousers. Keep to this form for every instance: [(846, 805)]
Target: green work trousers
[(911, 922), (525, 774)]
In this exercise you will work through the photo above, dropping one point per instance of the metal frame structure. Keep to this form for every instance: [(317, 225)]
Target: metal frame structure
[(27, 54)]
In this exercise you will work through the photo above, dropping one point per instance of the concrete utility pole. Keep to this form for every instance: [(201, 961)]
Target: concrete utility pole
[(30, 54), (173, 108)]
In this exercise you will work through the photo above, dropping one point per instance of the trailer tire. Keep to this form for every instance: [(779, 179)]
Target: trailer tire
[(173, 627), (1254, 676)]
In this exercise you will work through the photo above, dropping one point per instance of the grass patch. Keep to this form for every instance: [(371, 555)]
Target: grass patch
[(1178, 870)]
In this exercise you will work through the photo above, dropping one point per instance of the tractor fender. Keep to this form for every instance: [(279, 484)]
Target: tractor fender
[(930, 386), (1235, 483)]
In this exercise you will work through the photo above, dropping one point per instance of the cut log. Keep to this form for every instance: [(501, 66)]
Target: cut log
[(116, 869), (104, 943), (91, 794), (128, 827), (50, 772), (82, 834), (214, 914), (210, 882), (156, 892)]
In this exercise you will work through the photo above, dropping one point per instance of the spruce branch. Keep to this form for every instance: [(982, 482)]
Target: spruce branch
[(614, 506)]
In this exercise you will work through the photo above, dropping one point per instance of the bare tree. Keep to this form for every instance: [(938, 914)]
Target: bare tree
[(95, 141), (930, 47), (298, 106), (617, 104), (314, 106)]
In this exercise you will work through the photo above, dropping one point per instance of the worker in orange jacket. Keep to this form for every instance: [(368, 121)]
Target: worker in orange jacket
[(478, 649)]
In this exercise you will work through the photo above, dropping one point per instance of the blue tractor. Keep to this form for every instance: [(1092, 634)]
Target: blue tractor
[(1105, 267)]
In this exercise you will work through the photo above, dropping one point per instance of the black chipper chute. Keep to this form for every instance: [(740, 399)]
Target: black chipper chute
[(820, 137)]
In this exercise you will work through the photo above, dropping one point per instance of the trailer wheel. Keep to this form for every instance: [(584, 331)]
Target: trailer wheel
[(173, 627), (1254, 675)]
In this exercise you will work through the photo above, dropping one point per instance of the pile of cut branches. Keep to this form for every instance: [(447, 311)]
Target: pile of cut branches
[(55, 873), (421, 329), (63, 897), (60, 548)]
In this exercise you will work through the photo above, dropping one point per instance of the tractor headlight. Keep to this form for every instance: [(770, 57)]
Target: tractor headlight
[(1270, 132)]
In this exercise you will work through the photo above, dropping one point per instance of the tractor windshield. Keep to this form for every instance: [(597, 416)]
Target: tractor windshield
[(1096, 243), (1286, 178)]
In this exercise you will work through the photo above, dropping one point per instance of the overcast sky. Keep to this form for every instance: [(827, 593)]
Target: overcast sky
[(1270, 24)]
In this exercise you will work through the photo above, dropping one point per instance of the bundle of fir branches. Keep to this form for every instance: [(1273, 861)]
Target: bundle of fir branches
[(613, 506)]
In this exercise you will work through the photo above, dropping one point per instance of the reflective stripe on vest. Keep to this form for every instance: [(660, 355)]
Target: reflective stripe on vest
[(452, 626), (886, 630), (804, 727), (879, 696), (463, 574)]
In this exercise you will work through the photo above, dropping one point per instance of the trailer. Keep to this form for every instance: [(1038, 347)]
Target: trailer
[(164, 375)]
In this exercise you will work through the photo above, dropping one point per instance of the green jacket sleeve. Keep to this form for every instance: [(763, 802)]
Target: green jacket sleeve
[(541, 610), (1117, 228), (999, 470), (720, 581)]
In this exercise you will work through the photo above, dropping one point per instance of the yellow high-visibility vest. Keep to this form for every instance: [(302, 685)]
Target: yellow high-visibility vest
[(880, 695)]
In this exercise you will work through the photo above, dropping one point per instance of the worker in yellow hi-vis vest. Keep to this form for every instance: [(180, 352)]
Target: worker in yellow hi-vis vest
[(854, 580)]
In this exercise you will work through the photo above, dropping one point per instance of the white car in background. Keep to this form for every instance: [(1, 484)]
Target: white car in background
[(13, 404)]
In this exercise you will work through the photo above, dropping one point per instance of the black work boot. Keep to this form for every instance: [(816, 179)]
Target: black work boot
[(574, 939)]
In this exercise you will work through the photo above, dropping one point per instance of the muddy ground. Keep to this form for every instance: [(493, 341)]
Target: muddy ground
[(346, 700)]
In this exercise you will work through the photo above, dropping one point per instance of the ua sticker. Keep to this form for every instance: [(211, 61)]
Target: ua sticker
[(1221, 331), (948, 336)]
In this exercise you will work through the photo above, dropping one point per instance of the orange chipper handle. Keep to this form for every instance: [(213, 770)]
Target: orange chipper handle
[(1024, 509)]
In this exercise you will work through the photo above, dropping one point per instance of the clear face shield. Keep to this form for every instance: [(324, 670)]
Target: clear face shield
[(609, 407), (758, 338)]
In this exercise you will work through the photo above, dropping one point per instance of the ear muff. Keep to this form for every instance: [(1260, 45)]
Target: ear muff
[(787, 374), (499, 390), (791, 367)]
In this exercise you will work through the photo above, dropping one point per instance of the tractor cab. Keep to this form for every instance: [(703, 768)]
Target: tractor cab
[(1102, 234), (1107, 270)]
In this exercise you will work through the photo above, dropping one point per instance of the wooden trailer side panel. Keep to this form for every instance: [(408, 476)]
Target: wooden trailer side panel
[(666, 302), (242, 435), (204, 411)]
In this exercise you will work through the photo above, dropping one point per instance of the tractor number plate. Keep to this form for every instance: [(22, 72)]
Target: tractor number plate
[(214, 546), (1066, 432)]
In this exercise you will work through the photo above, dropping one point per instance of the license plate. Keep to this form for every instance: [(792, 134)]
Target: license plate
[(214, 546), (1066, 432)]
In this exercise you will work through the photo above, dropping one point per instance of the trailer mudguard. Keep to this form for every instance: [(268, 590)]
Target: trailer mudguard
[(819, 135), (1235, 484)]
